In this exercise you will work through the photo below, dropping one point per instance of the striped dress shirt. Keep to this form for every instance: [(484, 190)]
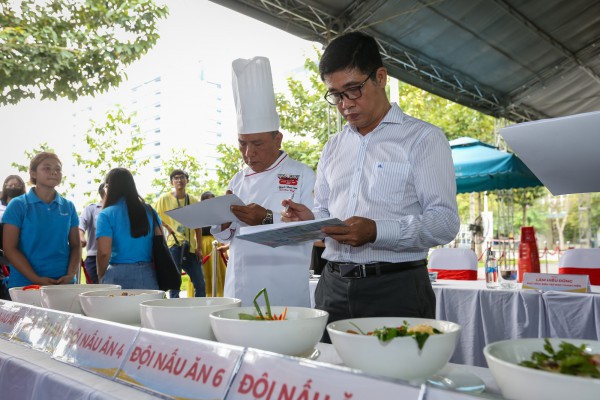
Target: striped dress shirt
[(400, 175)]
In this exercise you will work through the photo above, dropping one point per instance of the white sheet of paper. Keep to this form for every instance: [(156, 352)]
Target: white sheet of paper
[(562, 152), (209, 212), (286, 233)]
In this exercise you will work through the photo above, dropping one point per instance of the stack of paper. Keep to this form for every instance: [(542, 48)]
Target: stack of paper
[(283, 234)]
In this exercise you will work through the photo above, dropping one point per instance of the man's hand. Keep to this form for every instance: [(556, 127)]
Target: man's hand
[(251, 214), (199, 255), (295, 212), (358, 231)]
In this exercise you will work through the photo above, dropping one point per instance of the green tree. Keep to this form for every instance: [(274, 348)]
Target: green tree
[(71, 48), (179, 159), (306, 114), (231, 162), (454, 119), (112, 143), (526, 197)]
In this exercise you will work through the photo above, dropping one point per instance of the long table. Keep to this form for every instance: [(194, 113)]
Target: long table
[(34, 375), (488, 316)]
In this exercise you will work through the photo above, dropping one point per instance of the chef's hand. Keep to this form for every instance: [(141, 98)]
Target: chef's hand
[(251, 214), (356, 232), (295, 212)]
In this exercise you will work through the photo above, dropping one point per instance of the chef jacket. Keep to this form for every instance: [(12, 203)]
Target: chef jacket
[(251, 266)]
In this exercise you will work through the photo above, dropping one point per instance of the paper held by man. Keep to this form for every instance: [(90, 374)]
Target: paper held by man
[(286, 233), (209, 212)]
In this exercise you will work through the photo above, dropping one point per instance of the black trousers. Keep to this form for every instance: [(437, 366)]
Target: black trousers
[(407, 293)]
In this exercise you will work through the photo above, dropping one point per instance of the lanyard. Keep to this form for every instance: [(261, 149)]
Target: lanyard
[(185, 203)]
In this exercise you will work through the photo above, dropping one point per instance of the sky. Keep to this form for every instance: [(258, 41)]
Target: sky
[(195, 30)]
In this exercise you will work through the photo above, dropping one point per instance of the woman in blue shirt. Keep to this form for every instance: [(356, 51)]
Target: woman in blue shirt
[(124, 231), (41, 234)]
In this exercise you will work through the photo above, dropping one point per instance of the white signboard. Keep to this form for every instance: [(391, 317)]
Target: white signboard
[(96, 346), (179, 366)]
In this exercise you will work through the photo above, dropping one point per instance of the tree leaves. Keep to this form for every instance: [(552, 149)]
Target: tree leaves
[(71, 48)]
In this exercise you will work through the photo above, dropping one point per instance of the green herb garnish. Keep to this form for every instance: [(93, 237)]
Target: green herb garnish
[(260, 316), (568, 360), (386, 334)]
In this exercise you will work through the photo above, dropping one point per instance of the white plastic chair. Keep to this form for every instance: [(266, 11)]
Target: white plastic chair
[(451, 263), (583, 262)]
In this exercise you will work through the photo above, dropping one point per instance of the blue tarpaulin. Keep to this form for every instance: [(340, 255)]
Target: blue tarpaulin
[(482, 167)]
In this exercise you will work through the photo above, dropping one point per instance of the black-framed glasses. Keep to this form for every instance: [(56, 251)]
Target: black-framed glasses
[(351, 93), (180, 178)]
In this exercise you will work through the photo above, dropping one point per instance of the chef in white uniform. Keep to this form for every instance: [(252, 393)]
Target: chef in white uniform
[(270, 177)]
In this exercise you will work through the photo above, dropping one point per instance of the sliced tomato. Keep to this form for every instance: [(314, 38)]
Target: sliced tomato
[(32, 287)]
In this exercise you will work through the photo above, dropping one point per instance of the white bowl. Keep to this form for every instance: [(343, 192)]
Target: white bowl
[(32, 296), (297, 335), (184, 316), (113, 305), (66, 297), (398, 358), (517, 382)]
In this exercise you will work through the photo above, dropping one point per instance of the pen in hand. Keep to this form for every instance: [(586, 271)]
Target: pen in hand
[(285, 210)]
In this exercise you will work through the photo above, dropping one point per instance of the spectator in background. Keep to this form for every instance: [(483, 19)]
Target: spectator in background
[(124, 232), (185, 245), (41, 238), (207, 265), (13, 186), (87, 223)]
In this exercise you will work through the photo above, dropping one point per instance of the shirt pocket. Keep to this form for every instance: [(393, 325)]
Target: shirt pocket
[(389, 180)]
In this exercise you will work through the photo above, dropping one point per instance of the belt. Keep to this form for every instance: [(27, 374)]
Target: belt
[(352, 270)]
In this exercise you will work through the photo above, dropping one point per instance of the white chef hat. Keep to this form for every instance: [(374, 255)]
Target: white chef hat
[(254, 95)]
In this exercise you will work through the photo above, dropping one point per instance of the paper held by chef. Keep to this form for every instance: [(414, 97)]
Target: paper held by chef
[(209, 212), (561, 152)]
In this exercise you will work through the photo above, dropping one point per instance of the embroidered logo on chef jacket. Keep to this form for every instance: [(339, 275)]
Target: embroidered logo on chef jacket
[(288, 182)]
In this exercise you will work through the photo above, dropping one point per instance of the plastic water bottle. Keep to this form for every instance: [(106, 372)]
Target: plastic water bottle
[(491, 270)]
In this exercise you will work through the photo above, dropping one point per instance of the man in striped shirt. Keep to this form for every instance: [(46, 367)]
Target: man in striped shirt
[(390, 177)]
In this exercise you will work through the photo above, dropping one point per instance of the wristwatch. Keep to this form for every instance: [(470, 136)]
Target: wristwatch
[(268, 218)]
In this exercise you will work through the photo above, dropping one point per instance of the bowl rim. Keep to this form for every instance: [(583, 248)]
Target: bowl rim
[(537, 372), (146, 303), (320, 314), (457, 328), (79, 286), (99, 293)]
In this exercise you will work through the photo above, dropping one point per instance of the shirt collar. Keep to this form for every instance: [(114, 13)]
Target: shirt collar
[(395, 115), (32, 197)]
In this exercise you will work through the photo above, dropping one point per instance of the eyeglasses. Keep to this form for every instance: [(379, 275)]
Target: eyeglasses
[(352, 93), (179, 178)]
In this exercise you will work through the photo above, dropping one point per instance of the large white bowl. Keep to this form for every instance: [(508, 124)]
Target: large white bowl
[(184, 316), (66, 297), (32, 296), (297, 335), (398, 358), (518, 382), (117, 305)]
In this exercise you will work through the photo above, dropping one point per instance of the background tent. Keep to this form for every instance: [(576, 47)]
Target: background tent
[(482, 167)]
